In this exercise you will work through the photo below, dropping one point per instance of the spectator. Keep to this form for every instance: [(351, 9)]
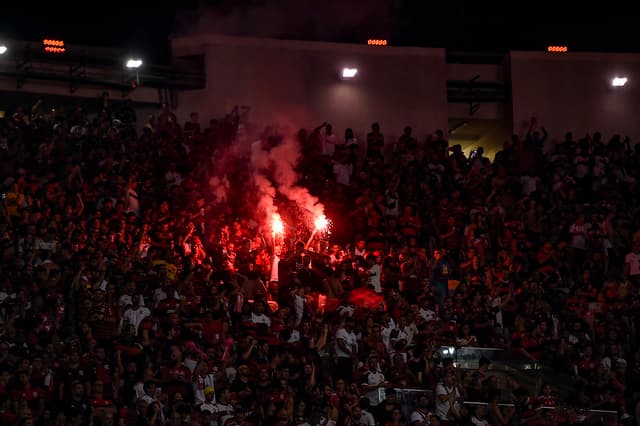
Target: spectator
[(126, 286)]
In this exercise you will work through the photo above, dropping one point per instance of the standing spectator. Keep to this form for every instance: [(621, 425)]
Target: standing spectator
[(134, 314), (448, 396), (346, 349), (632, 264)]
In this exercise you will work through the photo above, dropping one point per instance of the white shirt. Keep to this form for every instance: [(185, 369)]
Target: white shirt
[(298, 308), (495, 303), (208, 406), (385, 332), (343, 173), (199, 385), (350, 341), (419, 416), (427, 314), (442, 408), (126, 299), (132, 201), (294, 337), (327, 422), (479, 422), (578, 233), (409, 331), (528, 183), (374, 278), (329, 145), (633, 260), (373, 378), (346, 310), (366, 418), (260, 319), (135, 317), (358, 252), (394, 202), (222, 410), (159, 295)]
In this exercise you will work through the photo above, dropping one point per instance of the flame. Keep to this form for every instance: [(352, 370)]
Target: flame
[(321, 222), (277, 227)]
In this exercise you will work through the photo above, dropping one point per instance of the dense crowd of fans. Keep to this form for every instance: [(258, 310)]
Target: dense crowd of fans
[(138, 285)]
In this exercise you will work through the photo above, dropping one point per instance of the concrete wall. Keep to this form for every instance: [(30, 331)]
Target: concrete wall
[(572, 91), (298, 83)]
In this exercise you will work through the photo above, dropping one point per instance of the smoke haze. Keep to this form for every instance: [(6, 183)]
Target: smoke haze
[(328, 20)]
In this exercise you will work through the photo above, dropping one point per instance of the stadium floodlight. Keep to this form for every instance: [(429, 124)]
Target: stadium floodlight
[(349, 72), (134, 63), (619, 81), (3, 49)]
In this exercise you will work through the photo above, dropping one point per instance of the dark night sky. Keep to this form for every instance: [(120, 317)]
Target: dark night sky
[(458, 25)]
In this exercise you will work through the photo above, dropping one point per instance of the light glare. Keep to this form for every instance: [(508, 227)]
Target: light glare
[(134, 63), (619, 81), (3, 49), (349, 72)]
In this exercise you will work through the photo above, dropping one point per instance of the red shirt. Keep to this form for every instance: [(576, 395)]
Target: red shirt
[(28, 394)]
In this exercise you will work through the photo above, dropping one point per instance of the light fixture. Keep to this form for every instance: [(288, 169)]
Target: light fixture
[(619, 81), (134, 63), (349, 72), (3, 49), (53, 46), (557, 49)]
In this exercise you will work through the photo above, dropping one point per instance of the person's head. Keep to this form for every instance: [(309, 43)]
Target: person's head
[(449, 378), (348, 133), (136, 299), (329, 129), (365, 403), (224, 395), (176, 354), (480, 411), (372, 362), (98, 387), (484, 363), (349, 324), (396, 415), (437, 254), (390, 395), (283, 417), (77, 389), (423, 401), (356, 413), (243, 370), (23, 378), (150, 387), (375, 127), (5, 375)]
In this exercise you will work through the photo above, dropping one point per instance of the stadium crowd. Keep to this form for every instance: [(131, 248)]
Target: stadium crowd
[(138, 285)]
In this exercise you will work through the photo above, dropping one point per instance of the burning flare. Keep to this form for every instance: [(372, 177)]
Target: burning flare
[(321, 223), (277, 227)]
